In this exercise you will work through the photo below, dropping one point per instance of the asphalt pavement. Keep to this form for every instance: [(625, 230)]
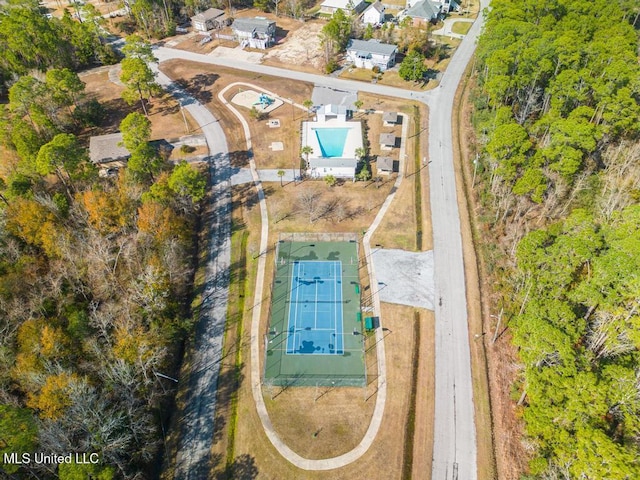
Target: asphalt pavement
[(197, 424), (454, 446)]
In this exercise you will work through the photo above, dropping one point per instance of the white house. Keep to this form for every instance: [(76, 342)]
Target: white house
[(349, 7), (371, 54), (374, 14), (255, 32), (209, 19), (330, 112)]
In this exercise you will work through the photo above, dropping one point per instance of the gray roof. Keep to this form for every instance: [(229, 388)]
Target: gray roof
[(385, 163), (424, 9), (372, 46), (391, 117), (333, 162), (208, 15), (387, 139), (106, 148), (259, 25), (377, 6)]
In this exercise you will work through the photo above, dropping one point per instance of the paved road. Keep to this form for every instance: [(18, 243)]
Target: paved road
[(164, 53), (454, 446), (198, 419)]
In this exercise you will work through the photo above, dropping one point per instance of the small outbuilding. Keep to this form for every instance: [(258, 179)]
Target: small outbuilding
[(387, 141), (257, 32), (390, 119), (108, 149), (209, 20), (387, 165)]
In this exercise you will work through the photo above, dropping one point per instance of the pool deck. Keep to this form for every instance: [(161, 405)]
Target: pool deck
[(343, 165)]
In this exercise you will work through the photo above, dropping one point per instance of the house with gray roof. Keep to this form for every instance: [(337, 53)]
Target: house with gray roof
[(257, 32), (423, 12), (387, 141), (371, 53), (390, 119), (387, 165), (108, 149), (209, 19)]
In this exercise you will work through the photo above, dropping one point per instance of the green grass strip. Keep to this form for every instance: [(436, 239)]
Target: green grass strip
[(417, 182), (410, 427), (240, 285)]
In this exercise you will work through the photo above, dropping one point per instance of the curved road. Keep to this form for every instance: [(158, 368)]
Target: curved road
[(193, 460), (454, 451)]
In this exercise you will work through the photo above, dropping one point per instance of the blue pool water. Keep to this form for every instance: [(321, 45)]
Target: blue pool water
[(331, 140)]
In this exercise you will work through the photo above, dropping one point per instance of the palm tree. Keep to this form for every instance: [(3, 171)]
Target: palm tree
[(306, 150), (280, 174), (361, 153), (308, 104)]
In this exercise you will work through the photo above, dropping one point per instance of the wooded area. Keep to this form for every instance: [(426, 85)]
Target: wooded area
[(96, 272), (558, 115)]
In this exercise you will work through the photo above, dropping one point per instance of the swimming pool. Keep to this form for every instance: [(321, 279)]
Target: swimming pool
[(331, 140)]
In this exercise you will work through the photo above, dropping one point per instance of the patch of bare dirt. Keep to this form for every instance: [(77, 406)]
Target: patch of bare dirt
[(301, 48)]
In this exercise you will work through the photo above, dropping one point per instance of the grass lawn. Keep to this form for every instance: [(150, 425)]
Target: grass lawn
[(164, 112), (461, 28), (390, 78), (338, 417)]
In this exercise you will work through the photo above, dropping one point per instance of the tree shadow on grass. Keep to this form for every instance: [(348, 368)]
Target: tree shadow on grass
[(243, 467)]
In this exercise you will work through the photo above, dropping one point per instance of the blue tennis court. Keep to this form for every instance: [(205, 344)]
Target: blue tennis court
[(315, 309)]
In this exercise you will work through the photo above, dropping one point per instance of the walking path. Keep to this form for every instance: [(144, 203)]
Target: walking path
[(256, 380)]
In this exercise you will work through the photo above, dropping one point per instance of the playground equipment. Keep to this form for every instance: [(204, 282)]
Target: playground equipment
[(264, 100)]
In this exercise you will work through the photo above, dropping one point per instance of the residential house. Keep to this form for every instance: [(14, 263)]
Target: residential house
[(390, 119), (330, 112), (387, 165), (257, 32), (350, 7), (448, 5), (423, 12), (209, 19), (371, 53), (387, 141), (107, 150), (374, 14)]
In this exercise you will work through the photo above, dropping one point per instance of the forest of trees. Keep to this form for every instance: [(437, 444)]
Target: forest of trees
[(96, 272), (557, 110)]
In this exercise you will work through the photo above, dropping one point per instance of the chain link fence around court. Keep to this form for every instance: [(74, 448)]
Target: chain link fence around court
[(314, 366)]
